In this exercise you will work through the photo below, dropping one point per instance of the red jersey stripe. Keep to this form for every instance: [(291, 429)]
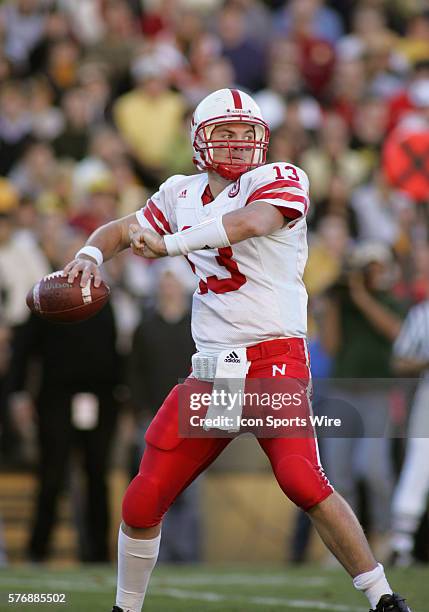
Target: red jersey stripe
[(281, 184), (157, 213), (149, 217), (237, 98), (274, 195)]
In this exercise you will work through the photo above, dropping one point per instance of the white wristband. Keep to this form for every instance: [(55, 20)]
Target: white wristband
[(210, 234), (91, 251)]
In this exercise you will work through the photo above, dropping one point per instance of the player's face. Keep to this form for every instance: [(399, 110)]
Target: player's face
[(235, 136)]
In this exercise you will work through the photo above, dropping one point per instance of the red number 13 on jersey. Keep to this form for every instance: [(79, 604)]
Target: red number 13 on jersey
[(292, 173)]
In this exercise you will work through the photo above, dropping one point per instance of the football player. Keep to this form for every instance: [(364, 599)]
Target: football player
[(241, 223)]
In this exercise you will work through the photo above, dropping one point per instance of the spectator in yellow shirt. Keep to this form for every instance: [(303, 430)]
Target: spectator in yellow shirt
[(150, 116)]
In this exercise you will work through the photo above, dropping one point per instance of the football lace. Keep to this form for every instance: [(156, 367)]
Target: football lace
[(53, 275)]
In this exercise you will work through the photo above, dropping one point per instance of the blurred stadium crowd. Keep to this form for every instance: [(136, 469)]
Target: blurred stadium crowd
[(95, 102)]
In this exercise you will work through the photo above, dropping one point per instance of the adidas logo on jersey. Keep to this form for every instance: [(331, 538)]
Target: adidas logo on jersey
[(232, 358), (183, 193)]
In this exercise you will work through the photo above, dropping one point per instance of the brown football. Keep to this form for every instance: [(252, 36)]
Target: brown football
[(55, 299)]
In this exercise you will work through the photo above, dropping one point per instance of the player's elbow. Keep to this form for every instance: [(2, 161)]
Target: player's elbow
[(253, 229), (258, 224)]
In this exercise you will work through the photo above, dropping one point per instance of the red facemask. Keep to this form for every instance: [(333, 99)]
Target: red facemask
[(231, 168)]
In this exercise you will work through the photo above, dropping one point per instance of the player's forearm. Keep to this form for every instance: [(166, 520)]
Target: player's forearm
[(112, 237), (108, 239), (102, 245)]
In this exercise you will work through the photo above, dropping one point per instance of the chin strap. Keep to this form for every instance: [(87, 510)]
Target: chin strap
[(230, 172)]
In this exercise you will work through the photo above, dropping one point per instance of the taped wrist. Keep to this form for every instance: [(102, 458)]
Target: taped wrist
[(210, 234), (91, 251)]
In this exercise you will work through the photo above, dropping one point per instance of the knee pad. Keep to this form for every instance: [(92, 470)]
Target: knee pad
[(141, 507), (303, 482)]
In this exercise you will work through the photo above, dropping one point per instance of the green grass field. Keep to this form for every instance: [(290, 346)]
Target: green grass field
[(210, 589)]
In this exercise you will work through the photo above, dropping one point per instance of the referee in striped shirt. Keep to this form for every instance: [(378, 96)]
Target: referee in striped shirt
[(410, 358)]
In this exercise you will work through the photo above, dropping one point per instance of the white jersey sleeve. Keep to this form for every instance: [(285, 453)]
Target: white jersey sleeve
[(159, 212), (282, 185)]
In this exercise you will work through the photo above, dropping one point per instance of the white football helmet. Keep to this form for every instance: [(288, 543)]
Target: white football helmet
[(226, 106)]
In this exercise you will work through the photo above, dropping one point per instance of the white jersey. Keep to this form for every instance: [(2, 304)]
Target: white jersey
[(252, 291)]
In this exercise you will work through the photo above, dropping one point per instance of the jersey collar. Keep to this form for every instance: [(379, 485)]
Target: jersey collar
[(207, 196)]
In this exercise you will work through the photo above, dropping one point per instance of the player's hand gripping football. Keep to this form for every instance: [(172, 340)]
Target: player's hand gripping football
[(88, 267), (146, 243)]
